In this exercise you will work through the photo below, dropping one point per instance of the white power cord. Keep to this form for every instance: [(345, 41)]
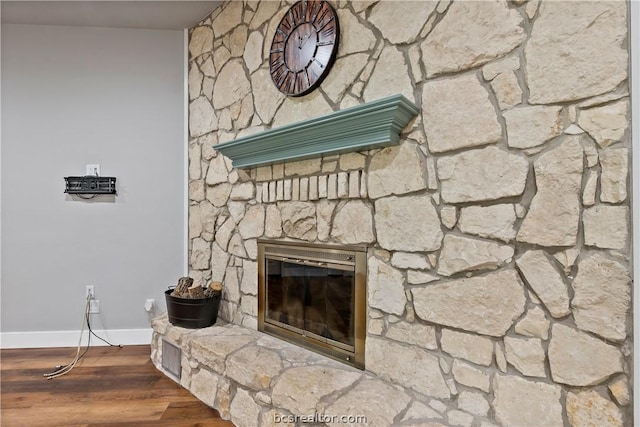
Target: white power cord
[(61, 370)]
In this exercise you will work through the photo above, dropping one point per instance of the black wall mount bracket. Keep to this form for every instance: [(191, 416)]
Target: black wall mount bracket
[(90, 184)]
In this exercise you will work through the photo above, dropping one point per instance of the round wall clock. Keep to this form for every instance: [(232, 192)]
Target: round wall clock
[(304, 47)]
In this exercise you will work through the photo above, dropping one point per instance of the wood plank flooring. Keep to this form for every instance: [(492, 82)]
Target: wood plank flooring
[(110, 387)]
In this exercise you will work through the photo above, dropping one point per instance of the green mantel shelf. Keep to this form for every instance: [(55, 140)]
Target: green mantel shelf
[(363, 127)]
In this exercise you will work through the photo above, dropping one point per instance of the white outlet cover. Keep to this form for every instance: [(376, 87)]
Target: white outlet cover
[(93, 170), (94, 306)]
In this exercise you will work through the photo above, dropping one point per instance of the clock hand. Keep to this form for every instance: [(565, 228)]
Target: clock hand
[(306, 38)]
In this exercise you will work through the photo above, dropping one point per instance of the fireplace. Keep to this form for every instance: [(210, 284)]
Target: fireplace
[(314, 296)]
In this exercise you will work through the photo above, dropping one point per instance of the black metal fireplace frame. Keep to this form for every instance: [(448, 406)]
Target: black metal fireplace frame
[(315, 254)]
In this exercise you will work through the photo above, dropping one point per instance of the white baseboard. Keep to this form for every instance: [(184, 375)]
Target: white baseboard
[(44, 339)]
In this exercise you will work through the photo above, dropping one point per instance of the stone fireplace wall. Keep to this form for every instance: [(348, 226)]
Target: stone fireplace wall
[(499, 269)]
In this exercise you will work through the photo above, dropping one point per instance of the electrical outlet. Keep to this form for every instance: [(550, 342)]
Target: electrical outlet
[(94, 306), (90, 292), (93, 170)]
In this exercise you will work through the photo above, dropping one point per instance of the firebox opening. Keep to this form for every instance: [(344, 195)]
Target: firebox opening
[(314, 296)]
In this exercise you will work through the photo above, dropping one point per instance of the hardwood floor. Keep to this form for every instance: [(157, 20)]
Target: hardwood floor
[(110, 387)]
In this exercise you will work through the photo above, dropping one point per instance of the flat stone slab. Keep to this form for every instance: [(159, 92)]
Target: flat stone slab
[(254, 379)]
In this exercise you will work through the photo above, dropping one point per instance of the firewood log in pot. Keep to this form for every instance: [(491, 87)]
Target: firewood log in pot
[(182, 290), (196, 291), (214, 289)]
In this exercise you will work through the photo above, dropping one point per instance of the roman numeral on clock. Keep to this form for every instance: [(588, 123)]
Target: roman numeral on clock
[(322, 17), (329, 31), (277, 63), (314, 11)]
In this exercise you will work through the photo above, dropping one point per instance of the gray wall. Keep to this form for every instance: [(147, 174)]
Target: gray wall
[(73, 96)]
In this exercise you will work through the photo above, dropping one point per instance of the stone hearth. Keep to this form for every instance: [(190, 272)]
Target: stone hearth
[(255, 379)]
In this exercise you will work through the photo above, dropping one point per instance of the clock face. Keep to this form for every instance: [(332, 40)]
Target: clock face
[(304, 47)]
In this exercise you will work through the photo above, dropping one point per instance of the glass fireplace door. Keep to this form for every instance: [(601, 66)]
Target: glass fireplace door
[(314, 296), (311, 298)]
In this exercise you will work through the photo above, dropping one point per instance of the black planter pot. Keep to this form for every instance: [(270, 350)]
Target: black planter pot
[(192, 313)]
